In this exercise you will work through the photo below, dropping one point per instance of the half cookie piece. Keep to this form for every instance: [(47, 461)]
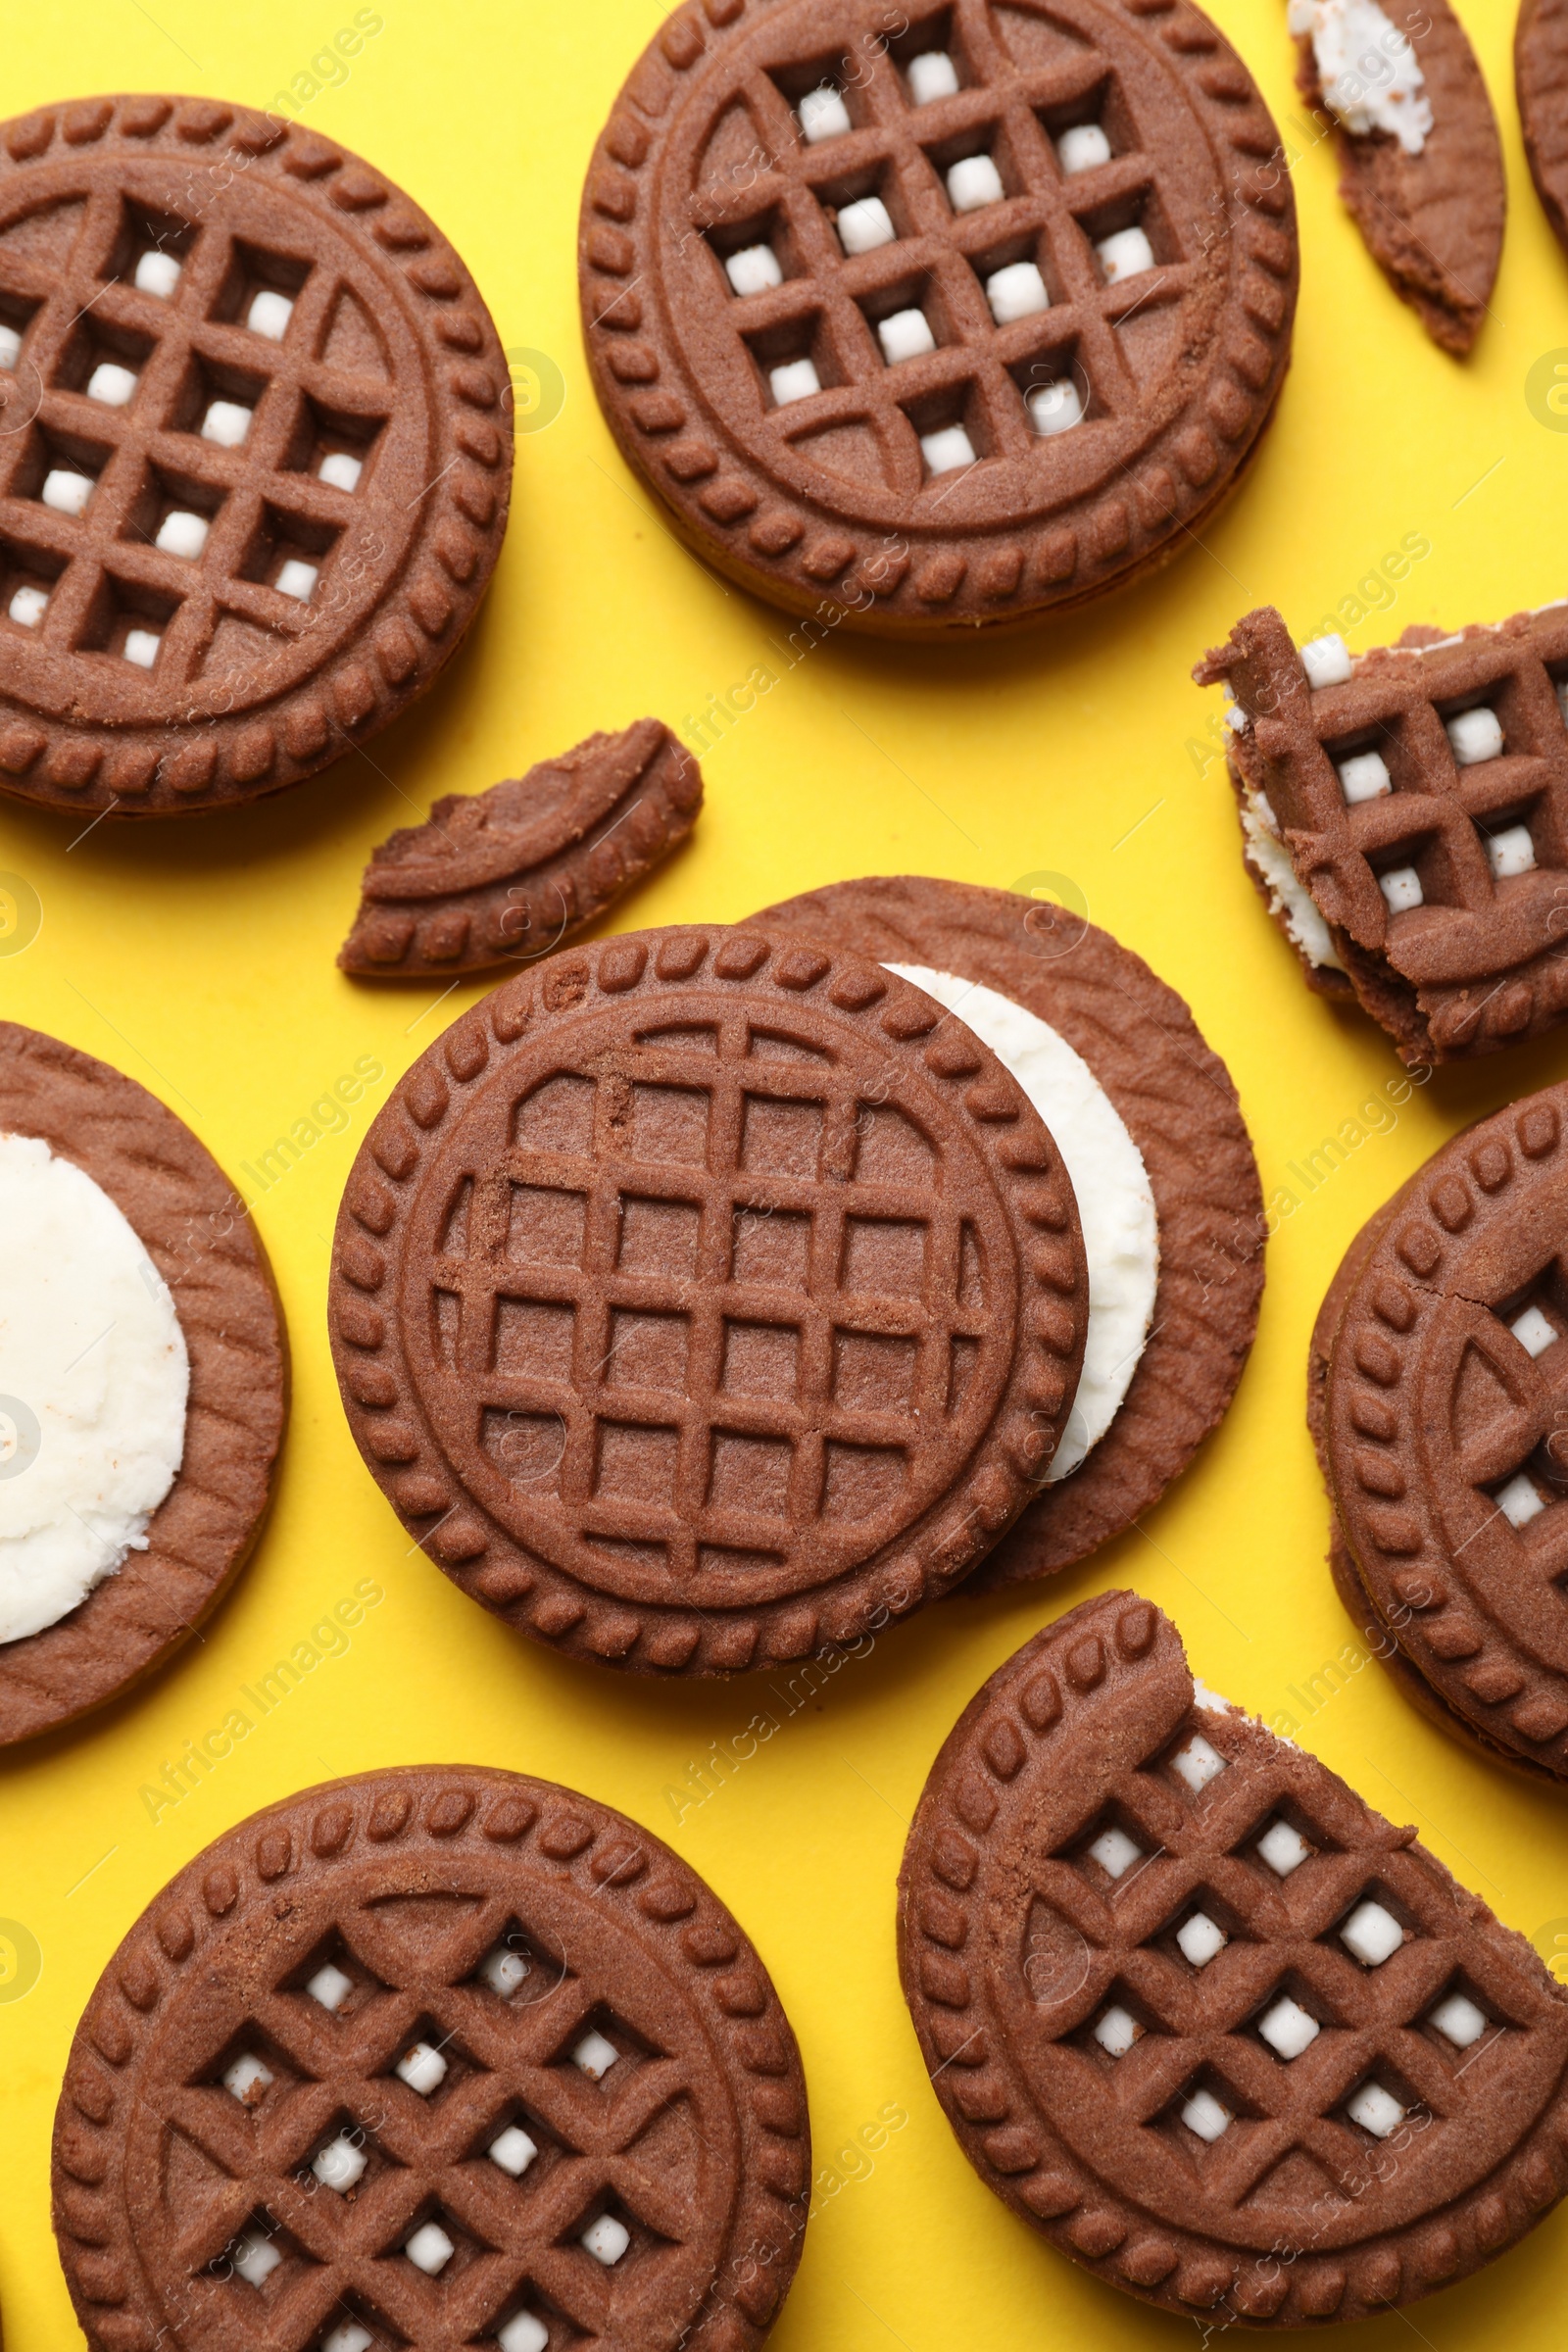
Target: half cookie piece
[(1541, 82), (143, 1364), (707, 1296), (1421, 161), (437, 2054), (1404, 813), (503, 876), (1223, 2033), (1147, 1120), (1438, 1361)]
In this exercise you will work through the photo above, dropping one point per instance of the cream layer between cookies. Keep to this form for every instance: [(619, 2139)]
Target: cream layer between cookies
[(1115, 1199), (94, 1381)]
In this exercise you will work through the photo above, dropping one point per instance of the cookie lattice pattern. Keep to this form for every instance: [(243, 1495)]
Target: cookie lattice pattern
[(695, 1343), (788, 193), (277, 555), (625, 2145), (1452, 865)]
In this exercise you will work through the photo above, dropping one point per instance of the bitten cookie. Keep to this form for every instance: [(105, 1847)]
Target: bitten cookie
[(1224, 2035), (1436, 1366), (254, 454), (1421, 161), (502, 876), (1403, 813), (938, 324), (143, 1346), (438, 2055), (1147, 1120), (706, 1297)]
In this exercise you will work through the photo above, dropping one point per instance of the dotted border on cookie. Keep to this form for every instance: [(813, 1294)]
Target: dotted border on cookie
[(717, 489), (427, 608), (607, 1857), (516, 1584), (1025, 1704)]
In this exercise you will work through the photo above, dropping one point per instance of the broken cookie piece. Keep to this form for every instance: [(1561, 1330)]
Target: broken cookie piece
[(500, 877), (1421, 163)]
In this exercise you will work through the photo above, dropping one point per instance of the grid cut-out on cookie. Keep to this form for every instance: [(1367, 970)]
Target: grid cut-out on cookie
[(1452, 789), (202, 459), (1256, 2055), (823, 210), (686, 1338), (369, 2194)]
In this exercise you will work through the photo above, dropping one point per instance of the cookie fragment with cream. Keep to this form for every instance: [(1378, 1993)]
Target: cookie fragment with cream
[(1403, 813), (1148, 1123), (1420, 157)]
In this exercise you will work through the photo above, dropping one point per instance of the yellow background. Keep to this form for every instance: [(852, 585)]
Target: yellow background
[(198, 957)]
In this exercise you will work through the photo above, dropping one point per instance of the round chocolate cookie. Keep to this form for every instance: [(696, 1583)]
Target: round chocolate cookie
[(1438, 1359), (940, 324), (185, 1215), (433, 2056), (703, 1297), (1541, 85), (1228, 2037), (254, 454), (1176, 1101)]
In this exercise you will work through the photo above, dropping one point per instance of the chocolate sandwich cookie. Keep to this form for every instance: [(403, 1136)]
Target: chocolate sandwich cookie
[(433, 2056), (707, 1297), (1221, 2031), (498, 877), (141, 1343), (1437, 1363), (1405, 813), (1421, 161), (938, 325), (1147, 1120), (254, 454), (1541, 83)]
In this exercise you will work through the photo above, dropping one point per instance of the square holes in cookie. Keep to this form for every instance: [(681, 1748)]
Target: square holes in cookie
[(289, 553), (16, 317), (151, 251), (931, 59), (794, 359), (1090, 129), (865, 208), (755, 254), (175, 513), (1018, 277), (1054, 389), (29, 578), (62, 471), (976, 167), (127, 623), (907, 317), (824, 96), (951, 425), (218, 404), (1129, 236), (259, 291), (1116, 1849), (333, 446), (103, 362)]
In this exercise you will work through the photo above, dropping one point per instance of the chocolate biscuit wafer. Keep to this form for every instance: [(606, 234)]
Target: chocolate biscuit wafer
[(254, 454), (1437, 1365), (1190, 1282), (434, 2056), (500, 876), (1406, 813), (145, 1344), (1541, 81), (1421, 161), (706, 1297), (938, 321), (1229, 2039)]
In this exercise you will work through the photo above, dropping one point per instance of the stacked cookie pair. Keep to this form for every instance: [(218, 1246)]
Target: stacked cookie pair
[(709, 1295)]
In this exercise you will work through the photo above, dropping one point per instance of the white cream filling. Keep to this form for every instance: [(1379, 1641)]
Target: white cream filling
[(1366, 69), (1115, 1201), (94, 1380), (1288, 897)]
